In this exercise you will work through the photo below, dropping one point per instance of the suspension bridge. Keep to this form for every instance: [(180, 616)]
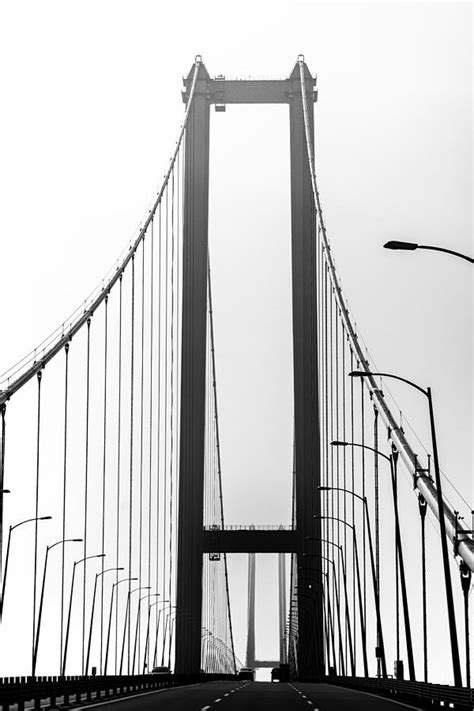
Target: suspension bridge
[(110, 437)]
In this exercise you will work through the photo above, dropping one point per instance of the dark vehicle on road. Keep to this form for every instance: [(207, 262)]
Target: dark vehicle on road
[(281, 673), (276, 672), (161, 670), (247, 673)]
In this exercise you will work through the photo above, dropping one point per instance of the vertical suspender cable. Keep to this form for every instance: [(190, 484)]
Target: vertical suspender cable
[(344, 472), (119, 465), (171, 388), (3, 408), (130, 480), (377, 527), (352, 427), (159, 449), (362, 452), (142, 376), (104, 470), (219, 461), (63, 530), (150, 415), (35, 568), (86, 491), (165, 414), (338, 483)]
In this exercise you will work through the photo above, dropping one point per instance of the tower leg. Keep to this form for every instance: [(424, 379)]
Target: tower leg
[(193, 380), (305, 367), (250, 656), (282, 605)]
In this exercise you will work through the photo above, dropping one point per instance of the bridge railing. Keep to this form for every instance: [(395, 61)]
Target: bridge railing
[(248, 527), (69, 690), (423, 694)]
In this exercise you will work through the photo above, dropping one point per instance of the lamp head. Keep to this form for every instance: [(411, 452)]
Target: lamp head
[(396, 244), (357, 374), (338, 443), (45, 518)]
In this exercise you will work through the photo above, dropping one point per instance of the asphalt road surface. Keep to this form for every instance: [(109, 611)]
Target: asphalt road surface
[(251, 696)]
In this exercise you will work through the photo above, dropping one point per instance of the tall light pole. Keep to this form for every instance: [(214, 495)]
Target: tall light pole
[(40, 610), (392, 460), (124, 580), (127, 619), (363, 499), (337, 602), (146, 654), (348, 619), (7, 555), (145, 597), (155, 655), (410, 246), (76, 563), (359, 590), (97, 576), (442, 523), (165, 630)]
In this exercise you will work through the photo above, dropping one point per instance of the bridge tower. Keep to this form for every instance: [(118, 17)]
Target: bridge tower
[(193, 542), (250, 660)]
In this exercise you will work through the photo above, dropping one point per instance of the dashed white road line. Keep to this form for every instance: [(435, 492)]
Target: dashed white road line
[(205, 708), (125, 697)]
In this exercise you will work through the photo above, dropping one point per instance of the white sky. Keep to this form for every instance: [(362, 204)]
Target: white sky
[(91, 108)]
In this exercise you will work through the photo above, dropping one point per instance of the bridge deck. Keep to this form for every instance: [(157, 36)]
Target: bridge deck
[(252, 696)]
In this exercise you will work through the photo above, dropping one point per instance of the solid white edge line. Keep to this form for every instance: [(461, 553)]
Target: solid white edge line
[(134, 696), (385, 698)]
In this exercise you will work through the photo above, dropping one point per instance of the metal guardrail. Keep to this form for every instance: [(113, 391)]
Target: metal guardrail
[(418, 692), (249, 527), (63, 692)]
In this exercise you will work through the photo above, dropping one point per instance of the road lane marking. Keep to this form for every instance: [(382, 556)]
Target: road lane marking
[(385, 698), (205, 708), (135, 696), (216, 701)]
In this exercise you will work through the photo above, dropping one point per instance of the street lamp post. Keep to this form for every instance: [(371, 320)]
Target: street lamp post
[(165, 630), (348, 619), (40, 610), (7, 554), (363, 499), (146, 654), (410, 246), (442, 523), (336, 590), (124, 580), (76, 562), (97, 576), (155, 654), (127, 619), (392, 460), (145, 597), (329, 625), (359, 591)]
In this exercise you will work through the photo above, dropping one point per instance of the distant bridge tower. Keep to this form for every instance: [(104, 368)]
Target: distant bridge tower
[(250, 660), (250, 654), (193, 541)]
